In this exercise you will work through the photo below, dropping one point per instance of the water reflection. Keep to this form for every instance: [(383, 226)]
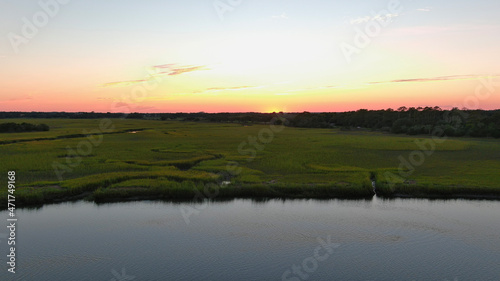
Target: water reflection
[(240, 239)]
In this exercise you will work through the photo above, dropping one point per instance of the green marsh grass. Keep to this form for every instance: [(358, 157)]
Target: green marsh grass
[(298, 162)]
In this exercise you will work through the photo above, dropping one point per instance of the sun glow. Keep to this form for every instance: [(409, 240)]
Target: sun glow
[(274, 110), (268, 53), (258, 59)]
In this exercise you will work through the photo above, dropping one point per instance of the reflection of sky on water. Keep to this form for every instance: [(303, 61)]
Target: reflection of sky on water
[(250, 240)]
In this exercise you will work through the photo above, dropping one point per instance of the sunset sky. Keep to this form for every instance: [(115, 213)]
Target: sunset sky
[(247, 55)]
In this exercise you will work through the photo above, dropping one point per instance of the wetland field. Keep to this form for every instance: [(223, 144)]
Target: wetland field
[(124, 159)]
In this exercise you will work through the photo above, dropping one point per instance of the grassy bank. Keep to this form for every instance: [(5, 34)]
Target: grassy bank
[(172, 160), (190, 190), (174, 187), (436, 191)]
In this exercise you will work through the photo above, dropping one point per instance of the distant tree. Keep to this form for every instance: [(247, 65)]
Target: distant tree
[(401, 125)]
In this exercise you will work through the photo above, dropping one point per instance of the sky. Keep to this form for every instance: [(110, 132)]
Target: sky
[(248, 55)]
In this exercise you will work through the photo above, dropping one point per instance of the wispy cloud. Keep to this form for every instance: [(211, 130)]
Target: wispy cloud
[(106, 98), (161, 66), (435, 79), (180, 70), (283, 16), (123, 83), (327, 87), (425, 30), (144, 108), (221, 89), (281, 92), (160, 70), (20, 98), (381, 17), (216, 89), (426, 9)]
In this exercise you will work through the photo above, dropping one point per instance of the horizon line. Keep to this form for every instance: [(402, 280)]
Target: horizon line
[(241, 112)]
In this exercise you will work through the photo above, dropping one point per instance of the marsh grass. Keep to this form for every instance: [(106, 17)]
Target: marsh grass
[(301, 163), (188, 190), (436, 190), (182, 164)]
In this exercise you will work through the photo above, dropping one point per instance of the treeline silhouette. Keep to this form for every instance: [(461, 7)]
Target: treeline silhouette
[(412, 121), (23, 127)]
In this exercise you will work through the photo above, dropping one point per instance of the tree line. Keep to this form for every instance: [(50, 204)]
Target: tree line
[(412, 121), (22, 127)]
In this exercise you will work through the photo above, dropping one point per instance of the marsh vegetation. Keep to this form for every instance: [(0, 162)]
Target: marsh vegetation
[(177, 160)]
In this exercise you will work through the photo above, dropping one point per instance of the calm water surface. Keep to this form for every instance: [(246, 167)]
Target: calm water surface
[(247, 240)]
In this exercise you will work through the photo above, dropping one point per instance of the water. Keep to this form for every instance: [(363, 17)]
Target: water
[(403, 239)]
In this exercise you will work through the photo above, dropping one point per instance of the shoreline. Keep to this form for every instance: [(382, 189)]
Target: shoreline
[(491, 197), (228, 194)]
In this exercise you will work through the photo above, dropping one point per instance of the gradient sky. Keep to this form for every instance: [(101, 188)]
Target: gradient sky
[(262, 55)]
